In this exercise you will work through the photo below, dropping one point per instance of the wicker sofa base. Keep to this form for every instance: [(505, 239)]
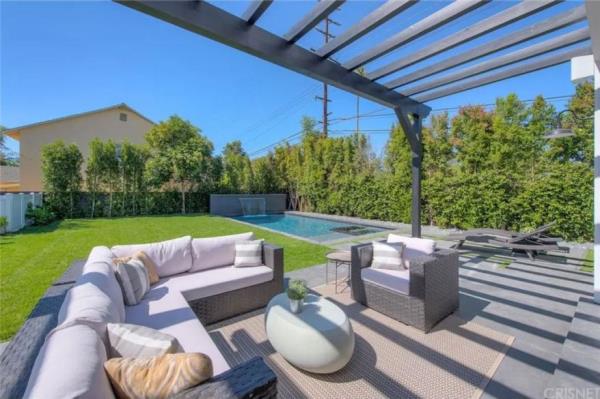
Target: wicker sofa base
[(233, 303)]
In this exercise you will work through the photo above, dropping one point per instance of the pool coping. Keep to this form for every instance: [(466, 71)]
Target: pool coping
[(390, 226)]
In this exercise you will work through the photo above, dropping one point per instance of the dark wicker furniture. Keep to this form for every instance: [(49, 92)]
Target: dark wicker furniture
[(252, 379), (228, 304), (433, 288)]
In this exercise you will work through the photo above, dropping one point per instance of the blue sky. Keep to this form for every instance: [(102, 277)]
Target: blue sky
[(60, 58)]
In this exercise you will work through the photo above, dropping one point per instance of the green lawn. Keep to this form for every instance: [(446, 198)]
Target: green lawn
[(32, 259), (588, 264)]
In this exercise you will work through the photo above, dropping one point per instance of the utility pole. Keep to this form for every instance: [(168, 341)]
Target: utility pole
[(325, 98)]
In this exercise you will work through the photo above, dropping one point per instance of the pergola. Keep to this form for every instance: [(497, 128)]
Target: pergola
[(243, 33)]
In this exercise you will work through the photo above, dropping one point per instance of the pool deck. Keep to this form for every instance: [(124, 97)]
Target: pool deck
[(545, 304)]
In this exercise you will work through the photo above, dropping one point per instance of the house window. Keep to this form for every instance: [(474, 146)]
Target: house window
[(123, 117)]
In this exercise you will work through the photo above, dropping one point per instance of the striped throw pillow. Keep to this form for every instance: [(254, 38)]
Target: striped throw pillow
[(248, 253), (387, 256), (130, 340), (133, 279), (157, 377)]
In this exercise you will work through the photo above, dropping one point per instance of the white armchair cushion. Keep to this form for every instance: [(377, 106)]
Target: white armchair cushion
[(414, 247), (170, 257), (387, 256), (213, 252)]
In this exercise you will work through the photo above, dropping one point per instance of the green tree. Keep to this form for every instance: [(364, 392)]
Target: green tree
[(93, 171), (61, 170), (132, 163), (237, 169), (179, 155)]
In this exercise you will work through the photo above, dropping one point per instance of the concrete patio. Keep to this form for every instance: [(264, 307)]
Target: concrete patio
[(545, 304)]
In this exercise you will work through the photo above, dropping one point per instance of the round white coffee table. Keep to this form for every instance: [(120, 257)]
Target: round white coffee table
[(319, 339)]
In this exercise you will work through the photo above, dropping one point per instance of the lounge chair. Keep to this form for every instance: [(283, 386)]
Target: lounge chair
[(529, 243)]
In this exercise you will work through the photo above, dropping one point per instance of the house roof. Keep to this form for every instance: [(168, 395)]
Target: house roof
[(16, 131)]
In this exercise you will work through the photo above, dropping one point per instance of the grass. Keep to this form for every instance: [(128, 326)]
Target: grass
[(588, 263), (33, 258)]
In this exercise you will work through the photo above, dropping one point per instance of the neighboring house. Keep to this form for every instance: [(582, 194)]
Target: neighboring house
[(9, 178), (119, 122)]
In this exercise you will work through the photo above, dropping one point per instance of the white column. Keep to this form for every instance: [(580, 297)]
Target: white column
[(597, 185)]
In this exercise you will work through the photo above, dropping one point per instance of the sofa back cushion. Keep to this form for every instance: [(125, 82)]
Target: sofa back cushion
[(70, 365), (170, 257), (99, 272), (216, 251)]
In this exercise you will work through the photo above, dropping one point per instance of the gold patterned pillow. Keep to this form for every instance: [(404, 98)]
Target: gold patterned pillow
[(145, 259), (157, 377)]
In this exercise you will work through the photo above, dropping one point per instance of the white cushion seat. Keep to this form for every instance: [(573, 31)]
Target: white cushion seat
[(395, 280), (216, 281), (166, 310)]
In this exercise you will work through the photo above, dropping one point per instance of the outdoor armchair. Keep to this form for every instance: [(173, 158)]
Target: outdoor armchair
[(432, 288)]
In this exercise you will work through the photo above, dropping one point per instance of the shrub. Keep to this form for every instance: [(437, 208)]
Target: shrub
[(3, 222), (40, 215), (297, 290)]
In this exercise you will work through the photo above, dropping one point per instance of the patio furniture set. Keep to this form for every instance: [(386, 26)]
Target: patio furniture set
[(64, 347)]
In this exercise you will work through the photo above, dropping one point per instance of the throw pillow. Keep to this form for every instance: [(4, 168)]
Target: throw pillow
[(134, 281), (248, 253), (159, 376), (130, 340), (148, 264), (387, 256)]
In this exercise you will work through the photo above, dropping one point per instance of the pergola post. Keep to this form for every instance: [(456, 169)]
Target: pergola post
[(412, 126)]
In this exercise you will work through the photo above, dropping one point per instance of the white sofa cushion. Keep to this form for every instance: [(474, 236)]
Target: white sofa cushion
[(166, 310), (248, 253), (216, 281), (395, 280), (131, 340), (134, 280), (70, 365), (86, 303), (414, 247), (99, 272), (170, 257), (215, 251)]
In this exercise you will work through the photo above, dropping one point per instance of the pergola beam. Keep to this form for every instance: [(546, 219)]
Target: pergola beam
[(549, 25), (426, 25), (545, 62), (310, 20), (256, 10), (382, 14), (526, 53), (497, 21), (214, 23)]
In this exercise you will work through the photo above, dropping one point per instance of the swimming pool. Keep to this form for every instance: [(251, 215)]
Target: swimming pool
[(316, 229)]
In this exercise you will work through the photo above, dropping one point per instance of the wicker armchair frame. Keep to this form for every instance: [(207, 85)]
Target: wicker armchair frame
[(433, 288)]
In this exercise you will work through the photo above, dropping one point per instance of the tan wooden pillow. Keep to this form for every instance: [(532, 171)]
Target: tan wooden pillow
[(145, 259), (157, 377)]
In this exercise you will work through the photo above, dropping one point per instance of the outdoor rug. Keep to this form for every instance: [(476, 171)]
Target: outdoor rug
[(391, 359)]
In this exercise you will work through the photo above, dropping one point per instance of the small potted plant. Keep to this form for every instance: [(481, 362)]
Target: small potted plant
[(296, 293), (3, 224)]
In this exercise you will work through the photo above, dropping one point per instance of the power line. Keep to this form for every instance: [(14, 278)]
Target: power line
[(381, 131)]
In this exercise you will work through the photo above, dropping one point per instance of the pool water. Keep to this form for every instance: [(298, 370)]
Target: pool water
[(308, 227)]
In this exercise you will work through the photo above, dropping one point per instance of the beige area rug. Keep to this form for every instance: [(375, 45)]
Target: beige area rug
[(391, 359)]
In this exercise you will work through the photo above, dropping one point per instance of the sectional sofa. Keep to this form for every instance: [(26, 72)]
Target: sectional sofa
[(198, 286)]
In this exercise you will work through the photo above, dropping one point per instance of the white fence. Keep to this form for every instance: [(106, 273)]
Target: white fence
[(14, 206)]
